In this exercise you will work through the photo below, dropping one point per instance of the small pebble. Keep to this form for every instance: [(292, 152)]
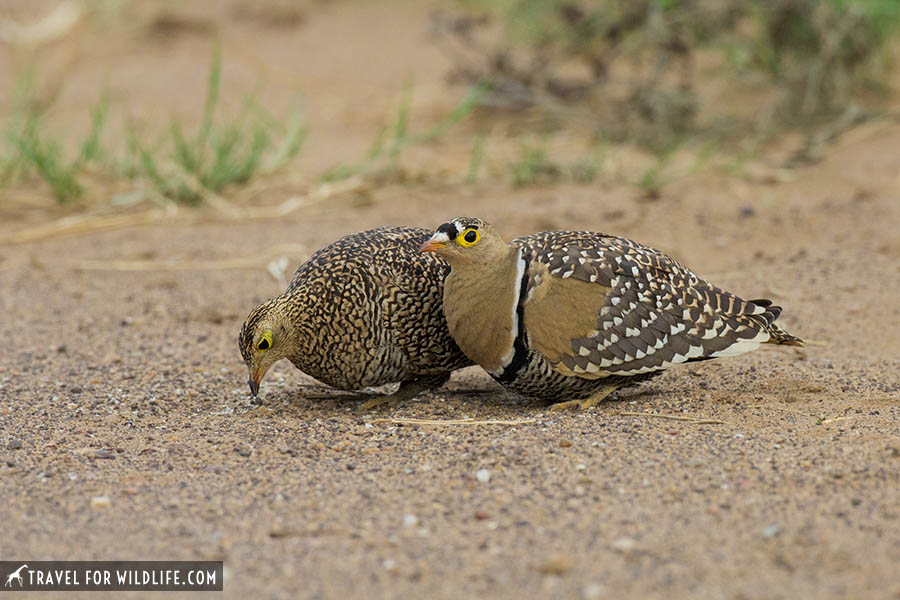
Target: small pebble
[(565, 444), (104, 453), (623, 544), (483, 475), (279, 532), (481, 515), (593, 591), (771, 531), (556, 564), (100, 502), (410, 520), (14, 444)]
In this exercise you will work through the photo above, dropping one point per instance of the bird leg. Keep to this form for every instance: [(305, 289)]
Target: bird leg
[(588, 402), (407, 391)]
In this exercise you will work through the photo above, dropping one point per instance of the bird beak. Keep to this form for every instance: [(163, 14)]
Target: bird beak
[(431, 246), (438, 240), (254, 382)]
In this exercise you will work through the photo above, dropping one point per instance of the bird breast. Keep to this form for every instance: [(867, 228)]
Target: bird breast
[(480, 304)]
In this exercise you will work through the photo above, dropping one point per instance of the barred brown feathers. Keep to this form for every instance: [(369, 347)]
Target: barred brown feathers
[(362, 311)]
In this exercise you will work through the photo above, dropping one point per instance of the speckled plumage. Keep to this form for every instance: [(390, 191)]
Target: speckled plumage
[(591, 310), (363, 311)]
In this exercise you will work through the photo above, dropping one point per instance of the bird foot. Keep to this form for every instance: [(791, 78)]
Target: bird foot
[(378, 401), (561, 406), (408, 390), (586, 403)]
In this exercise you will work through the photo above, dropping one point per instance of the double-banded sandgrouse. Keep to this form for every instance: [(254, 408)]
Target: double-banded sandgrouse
[(362, 311), (575, 314)]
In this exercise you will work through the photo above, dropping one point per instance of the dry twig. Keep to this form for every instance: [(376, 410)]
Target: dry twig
[(400, 421), (55, 25), (83, 224), (834, 419)]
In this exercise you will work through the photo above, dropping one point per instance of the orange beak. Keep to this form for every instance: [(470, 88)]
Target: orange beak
[(431, 246)]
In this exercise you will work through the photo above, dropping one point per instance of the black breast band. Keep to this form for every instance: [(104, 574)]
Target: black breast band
[(511, 371)]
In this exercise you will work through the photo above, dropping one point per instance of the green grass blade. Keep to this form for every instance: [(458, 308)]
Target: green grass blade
[(462, 110), (295, 134), (90, 147), (184, 154), (401, 124), (248, 167), (46, 159)]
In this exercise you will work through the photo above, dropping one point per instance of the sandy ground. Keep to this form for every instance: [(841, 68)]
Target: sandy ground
[(130, 385)]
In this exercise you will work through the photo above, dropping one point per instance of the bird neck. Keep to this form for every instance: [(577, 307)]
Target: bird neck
[(288, 325), (480, 303)]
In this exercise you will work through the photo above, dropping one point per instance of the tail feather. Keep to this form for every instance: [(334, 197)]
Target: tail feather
[(769, 315), (780, 336)]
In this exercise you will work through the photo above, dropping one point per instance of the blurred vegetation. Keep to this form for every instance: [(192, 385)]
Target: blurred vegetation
[(678, 79), (31, 148), (637, 70), (189, 168), (382, 161), (178, 166)]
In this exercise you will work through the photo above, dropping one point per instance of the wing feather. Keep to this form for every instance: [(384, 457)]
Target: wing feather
[(600, 305)]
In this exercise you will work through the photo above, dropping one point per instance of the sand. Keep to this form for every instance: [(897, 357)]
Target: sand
[(771, 475)]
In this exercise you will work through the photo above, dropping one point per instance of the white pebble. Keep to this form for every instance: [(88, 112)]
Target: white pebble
[(623, 544), (410, 520), (100, 502), (483, 475), (593, 591)]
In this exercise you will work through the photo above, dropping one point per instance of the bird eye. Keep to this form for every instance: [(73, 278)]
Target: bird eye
[(469, 237), (265, 343)]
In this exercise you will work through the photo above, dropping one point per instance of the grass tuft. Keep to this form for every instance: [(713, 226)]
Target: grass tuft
[(385, 152), (181, 166), (219, 154)]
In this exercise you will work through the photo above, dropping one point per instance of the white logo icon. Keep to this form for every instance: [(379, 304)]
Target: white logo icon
[(15, 575)]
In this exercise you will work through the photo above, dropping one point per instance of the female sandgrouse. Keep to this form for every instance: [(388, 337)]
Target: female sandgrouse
[(362, 311), (577, 314)]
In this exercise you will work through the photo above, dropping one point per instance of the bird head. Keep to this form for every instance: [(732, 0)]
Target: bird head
[(264, 339), (466, 239)]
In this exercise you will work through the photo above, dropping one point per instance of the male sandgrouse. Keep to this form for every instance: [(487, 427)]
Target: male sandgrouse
[(577, 314), (362, 311)]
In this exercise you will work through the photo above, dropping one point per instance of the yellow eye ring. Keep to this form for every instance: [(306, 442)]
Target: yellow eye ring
[(265, 342), (468, 238)]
